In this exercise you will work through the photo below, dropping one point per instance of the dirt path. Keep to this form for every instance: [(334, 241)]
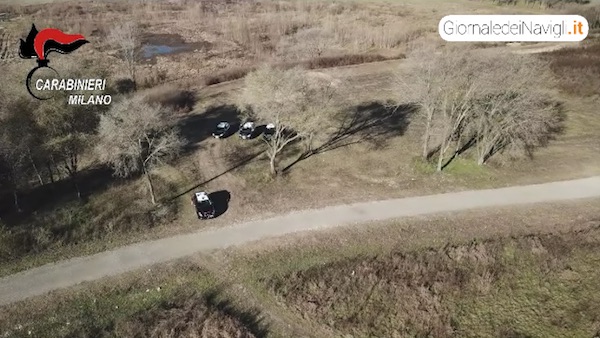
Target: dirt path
[(50, 277)]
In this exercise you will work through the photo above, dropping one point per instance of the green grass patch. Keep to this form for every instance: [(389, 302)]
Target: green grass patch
[(465, 167)]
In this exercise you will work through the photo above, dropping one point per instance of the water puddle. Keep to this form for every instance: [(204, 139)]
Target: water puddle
[(167, 44), (149, 51)]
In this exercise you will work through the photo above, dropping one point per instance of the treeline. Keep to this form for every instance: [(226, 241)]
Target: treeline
[(42, 142)]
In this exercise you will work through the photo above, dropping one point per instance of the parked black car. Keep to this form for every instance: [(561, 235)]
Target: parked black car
[(269, 131), (204, 206), (247, 130), (221, 130)]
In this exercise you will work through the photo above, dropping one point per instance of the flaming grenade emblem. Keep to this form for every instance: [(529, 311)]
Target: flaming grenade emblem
[(40, 44)]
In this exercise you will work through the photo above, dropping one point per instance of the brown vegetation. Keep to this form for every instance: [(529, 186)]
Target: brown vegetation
[(316, 63), (241, 34), (578, 69), (189, 315), (150, 303), (457, 290), (367, 158)]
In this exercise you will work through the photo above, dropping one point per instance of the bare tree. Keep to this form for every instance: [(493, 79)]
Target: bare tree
[(442, 84), (470, 99), (294, 100), (513, 113), (425, 85), (126, 38), (136, 136)]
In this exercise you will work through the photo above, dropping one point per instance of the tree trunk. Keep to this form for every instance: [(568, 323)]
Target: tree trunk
[(16, 199), (150, 186), (56, 168), (441, 158), (72, 171), (76, 185), (273, 169), (309, 148), (131, 69), (35, 169), (50, 172), (426, 154)]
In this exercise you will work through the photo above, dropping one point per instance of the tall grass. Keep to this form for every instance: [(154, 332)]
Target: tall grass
[(527, 286), (578, 70)]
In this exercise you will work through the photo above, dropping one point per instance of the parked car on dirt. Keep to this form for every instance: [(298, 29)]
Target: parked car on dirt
[(269, 132), (204, 206), (221, 130), (247, 130)]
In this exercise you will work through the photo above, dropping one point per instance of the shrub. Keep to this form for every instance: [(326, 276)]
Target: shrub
[(228, 75), (172, 97), (343, 60)]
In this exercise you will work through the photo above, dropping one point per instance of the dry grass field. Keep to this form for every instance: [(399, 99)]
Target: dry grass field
[(374, 159), (510, 272), (523, 268)]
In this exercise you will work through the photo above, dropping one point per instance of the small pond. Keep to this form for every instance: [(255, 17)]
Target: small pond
[(149, 50), (167, 44)]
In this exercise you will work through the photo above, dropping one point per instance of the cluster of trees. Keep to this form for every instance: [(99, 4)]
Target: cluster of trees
[(489, 102), (44, 141), (469, 100)]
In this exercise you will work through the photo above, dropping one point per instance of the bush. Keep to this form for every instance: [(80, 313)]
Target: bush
[(172, 97), (228, 75), (592, 15), (343, 60)]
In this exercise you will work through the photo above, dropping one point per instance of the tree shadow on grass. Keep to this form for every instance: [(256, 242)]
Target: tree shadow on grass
[(241, 162), (189, 313), (252, 319), (61, 192), (373, 122), (198, 127)]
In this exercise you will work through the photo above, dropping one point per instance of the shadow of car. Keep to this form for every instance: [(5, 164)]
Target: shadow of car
[(220, 200)]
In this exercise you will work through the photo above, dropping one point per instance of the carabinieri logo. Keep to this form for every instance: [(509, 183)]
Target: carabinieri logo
[(39, 44)]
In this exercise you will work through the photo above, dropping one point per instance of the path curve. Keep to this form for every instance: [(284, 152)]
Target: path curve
[(67, 273)]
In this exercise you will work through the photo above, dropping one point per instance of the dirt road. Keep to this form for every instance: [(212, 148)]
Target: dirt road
[(50, 277)]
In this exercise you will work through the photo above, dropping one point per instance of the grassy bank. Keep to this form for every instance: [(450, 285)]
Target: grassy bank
[(149, 303), (514, 273), (533, 286)]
